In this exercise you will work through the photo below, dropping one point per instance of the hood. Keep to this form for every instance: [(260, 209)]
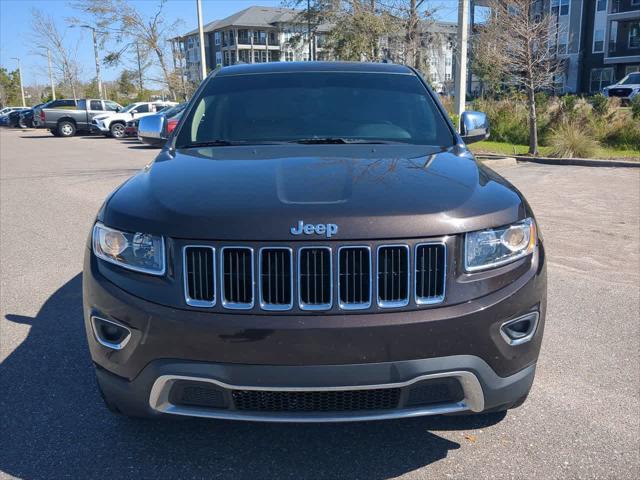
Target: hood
[(102, 116), (259, 193)]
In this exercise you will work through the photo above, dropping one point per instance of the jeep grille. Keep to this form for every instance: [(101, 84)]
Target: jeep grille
[(309, 278)]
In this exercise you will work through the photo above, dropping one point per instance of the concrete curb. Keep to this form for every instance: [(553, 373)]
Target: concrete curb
[(582, 162), (499, 162)]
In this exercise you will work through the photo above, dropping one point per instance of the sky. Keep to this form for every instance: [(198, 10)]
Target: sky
[(15, 29)]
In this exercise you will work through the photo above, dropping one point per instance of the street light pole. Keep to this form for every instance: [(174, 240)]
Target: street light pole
[(203, 58), (24, 104), (53, 87), (461, 72), (139, 68), (309, 29), (95, 52)]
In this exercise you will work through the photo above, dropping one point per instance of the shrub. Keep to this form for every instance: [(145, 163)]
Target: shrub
[(623, 133), (635, 107), (571, 140), (600, 104), (508, 119), (568, 102)]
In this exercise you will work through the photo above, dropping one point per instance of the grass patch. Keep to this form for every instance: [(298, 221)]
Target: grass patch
[(501, 148)]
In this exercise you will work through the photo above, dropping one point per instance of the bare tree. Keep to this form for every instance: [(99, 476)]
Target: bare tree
[(519, 40), (358, 30), (63, 59), (151, 33)]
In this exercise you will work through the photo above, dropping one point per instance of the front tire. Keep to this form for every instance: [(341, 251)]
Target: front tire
[(117, 130), (66, 129)]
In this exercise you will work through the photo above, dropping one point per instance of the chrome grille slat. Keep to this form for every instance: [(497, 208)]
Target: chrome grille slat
[(354, 277), (236, 277), (393, 276), (430, 272), (199, 275), (276, 278), (315, 278)]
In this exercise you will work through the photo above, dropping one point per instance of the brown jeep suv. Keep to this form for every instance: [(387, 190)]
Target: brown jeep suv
[(315, 243)]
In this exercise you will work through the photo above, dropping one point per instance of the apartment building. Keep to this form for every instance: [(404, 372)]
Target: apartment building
[(270, 34), (598, 41), (611, 42), (253, 35)]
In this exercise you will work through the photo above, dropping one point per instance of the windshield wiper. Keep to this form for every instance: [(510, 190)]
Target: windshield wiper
[(210, 143), (336, 141)]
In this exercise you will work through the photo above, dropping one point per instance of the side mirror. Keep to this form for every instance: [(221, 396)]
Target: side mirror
[(151, 126), (474, 127), (118, 109), (133, 112)]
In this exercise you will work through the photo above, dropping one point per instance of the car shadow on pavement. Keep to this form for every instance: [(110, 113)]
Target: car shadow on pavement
[(55, 425), (39, 136)]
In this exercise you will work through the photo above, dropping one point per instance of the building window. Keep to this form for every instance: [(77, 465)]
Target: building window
[(563, 39), (634, 35), (243, 37), (631, 69), (447, 76), (559, 81), (598, 41), (560, 7), (216, 37), (601, 5), (600, 78), (635, 2), (259, 37)]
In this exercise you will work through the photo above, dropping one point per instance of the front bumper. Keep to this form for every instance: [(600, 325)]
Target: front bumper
[(316, 352), (98, 127), (150, 394)]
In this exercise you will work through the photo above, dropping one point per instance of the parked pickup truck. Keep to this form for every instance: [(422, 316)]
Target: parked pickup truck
[(626, 89), (66, 122)]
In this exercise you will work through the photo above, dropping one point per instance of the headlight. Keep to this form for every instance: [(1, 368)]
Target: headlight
[(497, 246), (136, 251)]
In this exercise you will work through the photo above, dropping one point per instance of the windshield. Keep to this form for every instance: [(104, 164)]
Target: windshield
[(173, 111), (128, 108), (305, 106), (631, 79)]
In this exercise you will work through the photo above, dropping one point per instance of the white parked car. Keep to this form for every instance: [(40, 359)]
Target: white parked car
[(113, 124), (8, 110), (626, 89)]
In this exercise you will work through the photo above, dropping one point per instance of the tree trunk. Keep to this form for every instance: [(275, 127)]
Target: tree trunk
[(533, 121), (412, 33), (165, 72)]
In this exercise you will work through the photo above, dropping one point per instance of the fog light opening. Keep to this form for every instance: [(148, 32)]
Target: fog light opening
[(110, 334), (520, 330)]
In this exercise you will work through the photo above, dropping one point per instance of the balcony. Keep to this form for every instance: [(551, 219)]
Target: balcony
[(623, 6), (624, 41)]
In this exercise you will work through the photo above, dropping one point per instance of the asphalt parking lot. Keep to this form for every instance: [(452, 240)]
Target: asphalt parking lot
[(581, 420)]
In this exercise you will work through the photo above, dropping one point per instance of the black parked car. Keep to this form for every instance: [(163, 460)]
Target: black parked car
[(315, 242), (25, 119), (14, 117)]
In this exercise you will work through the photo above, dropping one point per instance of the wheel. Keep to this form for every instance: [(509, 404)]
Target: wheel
[(117, 130), (66, 129)]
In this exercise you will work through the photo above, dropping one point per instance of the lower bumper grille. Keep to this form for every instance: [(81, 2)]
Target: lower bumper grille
[(431, 392), (620, 92), (316, 401)]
